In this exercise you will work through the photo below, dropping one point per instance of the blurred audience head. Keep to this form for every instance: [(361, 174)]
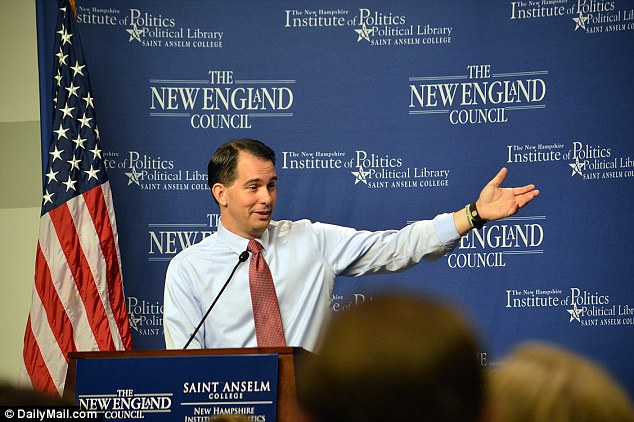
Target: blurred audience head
[(10, 395), (541, 382), (394, 358)]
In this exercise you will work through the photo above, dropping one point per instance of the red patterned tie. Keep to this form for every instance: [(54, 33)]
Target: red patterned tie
[(266, 309)]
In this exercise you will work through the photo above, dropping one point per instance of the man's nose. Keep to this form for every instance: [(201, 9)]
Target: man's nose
[(265, 196)]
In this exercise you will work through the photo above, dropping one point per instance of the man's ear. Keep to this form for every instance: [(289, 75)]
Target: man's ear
[(218, 190)]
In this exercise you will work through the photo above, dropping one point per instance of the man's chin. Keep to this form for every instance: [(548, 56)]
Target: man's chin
[(261, 224)]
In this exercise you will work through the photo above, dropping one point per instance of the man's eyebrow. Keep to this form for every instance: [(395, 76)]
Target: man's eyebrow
[(258, 180)]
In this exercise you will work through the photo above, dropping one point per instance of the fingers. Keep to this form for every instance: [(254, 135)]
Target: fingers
[(524, 199), (524, 189), (499, 178)]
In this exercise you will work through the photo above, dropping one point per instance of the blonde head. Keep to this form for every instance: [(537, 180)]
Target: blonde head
[(541, 382)]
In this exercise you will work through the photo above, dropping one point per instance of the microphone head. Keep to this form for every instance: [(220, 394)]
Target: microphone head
[(244, 256)]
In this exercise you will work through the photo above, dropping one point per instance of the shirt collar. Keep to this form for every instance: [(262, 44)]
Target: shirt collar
[(238, 244)]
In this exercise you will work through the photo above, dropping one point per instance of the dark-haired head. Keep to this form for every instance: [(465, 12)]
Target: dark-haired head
[(222, 167)]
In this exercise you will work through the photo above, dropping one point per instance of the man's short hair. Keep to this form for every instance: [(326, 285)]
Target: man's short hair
[(223, 164)]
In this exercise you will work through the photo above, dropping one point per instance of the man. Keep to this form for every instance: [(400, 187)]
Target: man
[(304, 257)]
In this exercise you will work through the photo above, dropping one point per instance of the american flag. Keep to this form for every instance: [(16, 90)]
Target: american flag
[(78, 302)]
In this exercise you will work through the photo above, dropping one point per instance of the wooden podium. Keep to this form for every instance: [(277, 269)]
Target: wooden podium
[(288, 358)]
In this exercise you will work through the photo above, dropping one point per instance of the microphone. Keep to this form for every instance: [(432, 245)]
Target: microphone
[(243, 257)]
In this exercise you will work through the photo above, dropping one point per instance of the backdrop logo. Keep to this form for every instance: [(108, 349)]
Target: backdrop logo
[(377, 28), (536, 298), (592, 162), (146, 319), (168, 239), (341, 303), (595, 309), (589, 16), (386, 29), (368, 169), (583, 160), (220, 101), (580, 306), (314, 160), (155, 173), (477, 97), (150, 29), (383, 171), (491, 246)]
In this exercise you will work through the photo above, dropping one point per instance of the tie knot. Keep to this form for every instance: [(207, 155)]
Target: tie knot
[(254, 246)]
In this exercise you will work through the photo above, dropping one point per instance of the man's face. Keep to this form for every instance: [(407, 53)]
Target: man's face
[(246, 206)]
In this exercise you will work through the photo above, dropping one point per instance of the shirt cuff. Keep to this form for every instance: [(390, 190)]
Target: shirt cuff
[(446, 230)]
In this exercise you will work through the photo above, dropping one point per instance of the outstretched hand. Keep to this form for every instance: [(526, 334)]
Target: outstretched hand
[(496, 202)]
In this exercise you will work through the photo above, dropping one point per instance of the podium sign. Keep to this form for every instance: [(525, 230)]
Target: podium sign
[(179, 388)]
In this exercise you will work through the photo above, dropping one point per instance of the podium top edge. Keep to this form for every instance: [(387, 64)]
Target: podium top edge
[(189, 352)]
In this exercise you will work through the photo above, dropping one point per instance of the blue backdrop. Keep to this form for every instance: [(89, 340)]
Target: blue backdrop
[(382, 114)]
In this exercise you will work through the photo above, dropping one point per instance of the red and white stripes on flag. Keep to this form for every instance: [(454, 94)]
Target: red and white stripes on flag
[(78, 302)]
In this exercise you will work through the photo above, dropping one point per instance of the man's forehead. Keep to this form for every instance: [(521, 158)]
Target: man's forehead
[(250, 166)]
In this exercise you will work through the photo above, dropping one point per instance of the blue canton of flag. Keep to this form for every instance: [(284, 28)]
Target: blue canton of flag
[(75, 163)]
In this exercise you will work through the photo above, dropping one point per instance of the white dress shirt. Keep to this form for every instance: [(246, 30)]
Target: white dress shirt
[(304, 258)]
